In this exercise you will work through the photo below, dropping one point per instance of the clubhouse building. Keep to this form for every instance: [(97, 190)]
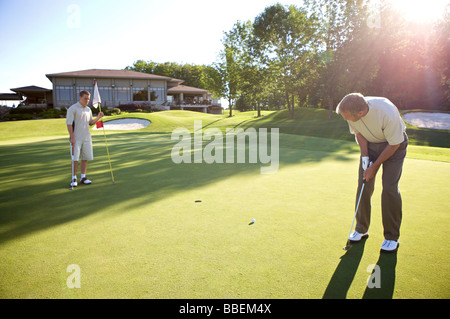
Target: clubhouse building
[(119, 87)]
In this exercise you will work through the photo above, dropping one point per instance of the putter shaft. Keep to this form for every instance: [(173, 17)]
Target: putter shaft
[(347, 247)]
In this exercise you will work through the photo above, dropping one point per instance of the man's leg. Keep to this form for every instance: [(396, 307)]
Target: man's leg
[(391, 199), (75, 153), (83, 167), (86, 154), (364, 210), (75, 168)]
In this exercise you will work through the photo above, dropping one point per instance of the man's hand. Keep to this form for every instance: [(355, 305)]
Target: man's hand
[(370, 172), (364, 162), (99, 116), (72, 142)]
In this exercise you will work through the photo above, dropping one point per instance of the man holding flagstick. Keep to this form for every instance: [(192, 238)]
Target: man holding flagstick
[(78, 119), (96, 102)]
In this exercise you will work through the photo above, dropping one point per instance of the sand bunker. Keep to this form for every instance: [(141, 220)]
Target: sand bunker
[(124, 124), (439, 121)]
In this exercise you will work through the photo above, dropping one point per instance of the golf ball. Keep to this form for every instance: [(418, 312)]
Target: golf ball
[(253, 220)]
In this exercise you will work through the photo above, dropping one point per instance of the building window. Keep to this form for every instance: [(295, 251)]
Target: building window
[(90, 89), (140, 94), (157, 94), (122, 94), (64, 93), (105, 95)]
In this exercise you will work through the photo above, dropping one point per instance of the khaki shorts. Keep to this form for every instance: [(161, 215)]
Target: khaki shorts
[(82, 150)]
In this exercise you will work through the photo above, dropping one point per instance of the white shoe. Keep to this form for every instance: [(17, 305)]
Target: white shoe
[(74, 183), (85, 181), (355, 237), (389, 245)]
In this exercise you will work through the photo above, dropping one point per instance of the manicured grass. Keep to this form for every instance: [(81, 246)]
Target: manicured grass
[(146, 237)]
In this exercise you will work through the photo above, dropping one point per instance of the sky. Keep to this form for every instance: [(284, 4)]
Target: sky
[(39, 37)]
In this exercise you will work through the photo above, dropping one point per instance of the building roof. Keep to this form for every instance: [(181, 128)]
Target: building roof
[(10, 97), (186, 89), (31, 89), (103, 73)]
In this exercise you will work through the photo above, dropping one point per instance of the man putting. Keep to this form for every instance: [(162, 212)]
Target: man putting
[(380, 133), (78, 120)]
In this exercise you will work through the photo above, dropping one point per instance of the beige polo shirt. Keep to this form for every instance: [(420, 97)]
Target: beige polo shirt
[(382, 123), (82, 117)]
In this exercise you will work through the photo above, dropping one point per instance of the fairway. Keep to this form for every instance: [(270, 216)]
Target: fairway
[(147, 237)]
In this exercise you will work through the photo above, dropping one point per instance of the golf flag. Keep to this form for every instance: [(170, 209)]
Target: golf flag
[(96, 100)]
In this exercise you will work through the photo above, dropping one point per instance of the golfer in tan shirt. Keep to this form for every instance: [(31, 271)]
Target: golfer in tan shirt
[(78, 120), (380, 133)]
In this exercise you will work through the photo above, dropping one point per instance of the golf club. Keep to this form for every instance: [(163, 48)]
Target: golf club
[(71, 157), (348, 246)]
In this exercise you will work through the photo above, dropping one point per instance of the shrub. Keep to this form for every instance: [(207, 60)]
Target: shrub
[(19, 117), (33, 110), (134, 108), (51, 113)]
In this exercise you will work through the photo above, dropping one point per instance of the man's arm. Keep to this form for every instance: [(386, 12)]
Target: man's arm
[(72, 136), (388, 151), (363, 144), (99, 116)]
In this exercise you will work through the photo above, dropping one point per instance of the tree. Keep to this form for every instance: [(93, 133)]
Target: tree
[(440, 43), (342, 60), (412, 58), (193, 75), (234, 60), (285, 38)]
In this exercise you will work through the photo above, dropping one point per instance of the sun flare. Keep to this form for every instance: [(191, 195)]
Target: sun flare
[(421, 10)]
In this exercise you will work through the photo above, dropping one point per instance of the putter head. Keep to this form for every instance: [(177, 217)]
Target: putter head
[(348, 246)]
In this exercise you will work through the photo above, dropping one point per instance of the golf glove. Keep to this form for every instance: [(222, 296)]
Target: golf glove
[(364, 162)]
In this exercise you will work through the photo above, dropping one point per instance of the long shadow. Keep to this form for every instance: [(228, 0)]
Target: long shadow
[(387, 263), (34, 178), (343, 276)]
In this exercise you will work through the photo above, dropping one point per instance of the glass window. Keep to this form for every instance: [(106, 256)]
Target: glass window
[(158, 95), (90, 89), (140, 94), (105, 93), (122, 94), (64, 93)]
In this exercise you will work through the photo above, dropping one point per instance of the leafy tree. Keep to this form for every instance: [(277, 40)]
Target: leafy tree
[(342, 24), (440, 57), (232, 59), (285, 39), (412, 59)]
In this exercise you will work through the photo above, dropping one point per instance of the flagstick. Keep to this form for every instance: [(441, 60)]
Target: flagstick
[(107, 151)]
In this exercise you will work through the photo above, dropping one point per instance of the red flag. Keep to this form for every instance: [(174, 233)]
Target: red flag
[(99, 124)]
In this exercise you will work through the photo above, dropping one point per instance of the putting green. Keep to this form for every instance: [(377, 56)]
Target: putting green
[(146, 237)]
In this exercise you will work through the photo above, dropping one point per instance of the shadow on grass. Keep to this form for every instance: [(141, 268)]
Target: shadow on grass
[(35, 177), (387, 263), (343, 276)]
